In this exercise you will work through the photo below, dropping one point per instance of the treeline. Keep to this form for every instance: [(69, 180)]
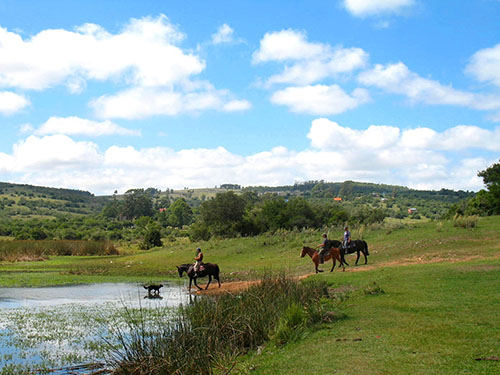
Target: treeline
[(485, 202), (349, 190)]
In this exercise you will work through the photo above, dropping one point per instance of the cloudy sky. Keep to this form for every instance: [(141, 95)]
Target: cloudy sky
[(110, 95)]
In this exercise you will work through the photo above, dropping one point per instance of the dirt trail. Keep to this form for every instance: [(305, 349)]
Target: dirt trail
[(234, 287)]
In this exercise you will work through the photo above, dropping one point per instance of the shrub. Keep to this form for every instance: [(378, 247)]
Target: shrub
[(465, 221)]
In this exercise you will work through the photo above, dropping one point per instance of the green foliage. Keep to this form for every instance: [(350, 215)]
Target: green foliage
[(152, 236), (137, 203), (223, 215), (179, 214)]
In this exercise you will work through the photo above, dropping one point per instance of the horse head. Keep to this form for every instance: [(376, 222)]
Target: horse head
[(180, 270), (303, 252)]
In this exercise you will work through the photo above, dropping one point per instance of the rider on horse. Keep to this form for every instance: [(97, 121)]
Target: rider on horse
[(325, 246), (198, 259), (347, 237)]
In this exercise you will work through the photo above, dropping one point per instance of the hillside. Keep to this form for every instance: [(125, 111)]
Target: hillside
[(28, 201)]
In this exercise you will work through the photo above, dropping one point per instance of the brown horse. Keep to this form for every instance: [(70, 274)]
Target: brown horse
[(333, 254)]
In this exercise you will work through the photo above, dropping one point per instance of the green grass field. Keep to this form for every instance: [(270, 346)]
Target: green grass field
[(428, 301)]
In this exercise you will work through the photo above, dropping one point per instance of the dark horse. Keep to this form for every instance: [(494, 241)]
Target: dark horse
[(207, 269), (333, 254), (356, 246)]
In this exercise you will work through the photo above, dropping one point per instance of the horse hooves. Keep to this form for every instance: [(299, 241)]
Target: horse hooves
[(320, 271)]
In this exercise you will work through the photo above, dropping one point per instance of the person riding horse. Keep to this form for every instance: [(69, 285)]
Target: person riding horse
[(325, 246), (199, 260), (347, 237)]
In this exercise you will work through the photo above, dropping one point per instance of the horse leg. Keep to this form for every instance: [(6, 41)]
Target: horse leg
[(209, 281), (342, 264), (342, 255), (190, 281), (196, 284), (316, 263), (333, 266), (357, 257)]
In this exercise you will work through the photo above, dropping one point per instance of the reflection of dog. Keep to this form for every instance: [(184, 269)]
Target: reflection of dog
[(153, 288)]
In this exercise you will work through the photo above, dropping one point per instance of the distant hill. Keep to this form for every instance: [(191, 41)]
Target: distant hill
[(27, 201)]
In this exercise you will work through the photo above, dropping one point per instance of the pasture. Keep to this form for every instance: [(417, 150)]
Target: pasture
[(426, 302)]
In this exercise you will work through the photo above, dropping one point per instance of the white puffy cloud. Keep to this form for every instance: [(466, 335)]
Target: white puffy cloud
[(484, 65), (224, 34), (35, 154), (145, 51), (141, 102), (145, 57), (319, 99), (78, 126), (311, 62), (11, 102), (287, 45), (418, 158), (398, 79), (364, 8)]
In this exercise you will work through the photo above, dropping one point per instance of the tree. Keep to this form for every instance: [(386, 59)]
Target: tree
[(152, 236), (491, 178), (137, 203), (180, 213), (223, 215)]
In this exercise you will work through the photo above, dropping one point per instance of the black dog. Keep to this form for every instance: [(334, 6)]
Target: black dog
[(153, 288)]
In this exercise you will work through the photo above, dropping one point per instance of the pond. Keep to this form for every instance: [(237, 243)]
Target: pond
[(50, 327)]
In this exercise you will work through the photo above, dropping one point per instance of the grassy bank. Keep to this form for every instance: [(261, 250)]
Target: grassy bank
[(430, 319)]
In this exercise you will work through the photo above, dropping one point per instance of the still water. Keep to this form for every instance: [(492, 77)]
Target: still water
[(60, 326)]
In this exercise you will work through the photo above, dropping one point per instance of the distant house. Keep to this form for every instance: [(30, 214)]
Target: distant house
[(412, 210), (337, 199)]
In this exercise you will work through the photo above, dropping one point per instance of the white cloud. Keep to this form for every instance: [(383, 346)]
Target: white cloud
[(141, 102), (37, 154), (418, 158), (224, 34), (287, 45), (398, 79), (78, 126), (364, 8), (11, 103), (145, 52), (484, 65), (311, 62), (319, 99)]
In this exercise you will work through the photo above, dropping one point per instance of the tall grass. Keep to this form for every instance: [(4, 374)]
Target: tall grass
[(465, 221), (205, 336), (28, 250)]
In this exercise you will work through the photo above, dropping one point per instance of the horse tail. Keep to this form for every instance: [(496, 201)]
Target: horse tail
[(366, 248)]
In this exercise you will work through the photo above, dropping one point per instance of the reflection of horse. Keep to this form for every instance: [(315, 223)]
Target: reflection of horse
[(358, 246), (207, 269), (334, 254)]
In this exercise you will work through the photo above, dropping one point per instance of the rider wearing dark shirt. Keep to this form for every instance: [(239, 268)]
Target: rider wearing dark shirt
[(324, 248)]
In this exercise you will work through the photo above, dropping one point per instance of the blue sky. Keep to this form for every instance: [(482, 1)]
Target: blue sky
[(112, 95)]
